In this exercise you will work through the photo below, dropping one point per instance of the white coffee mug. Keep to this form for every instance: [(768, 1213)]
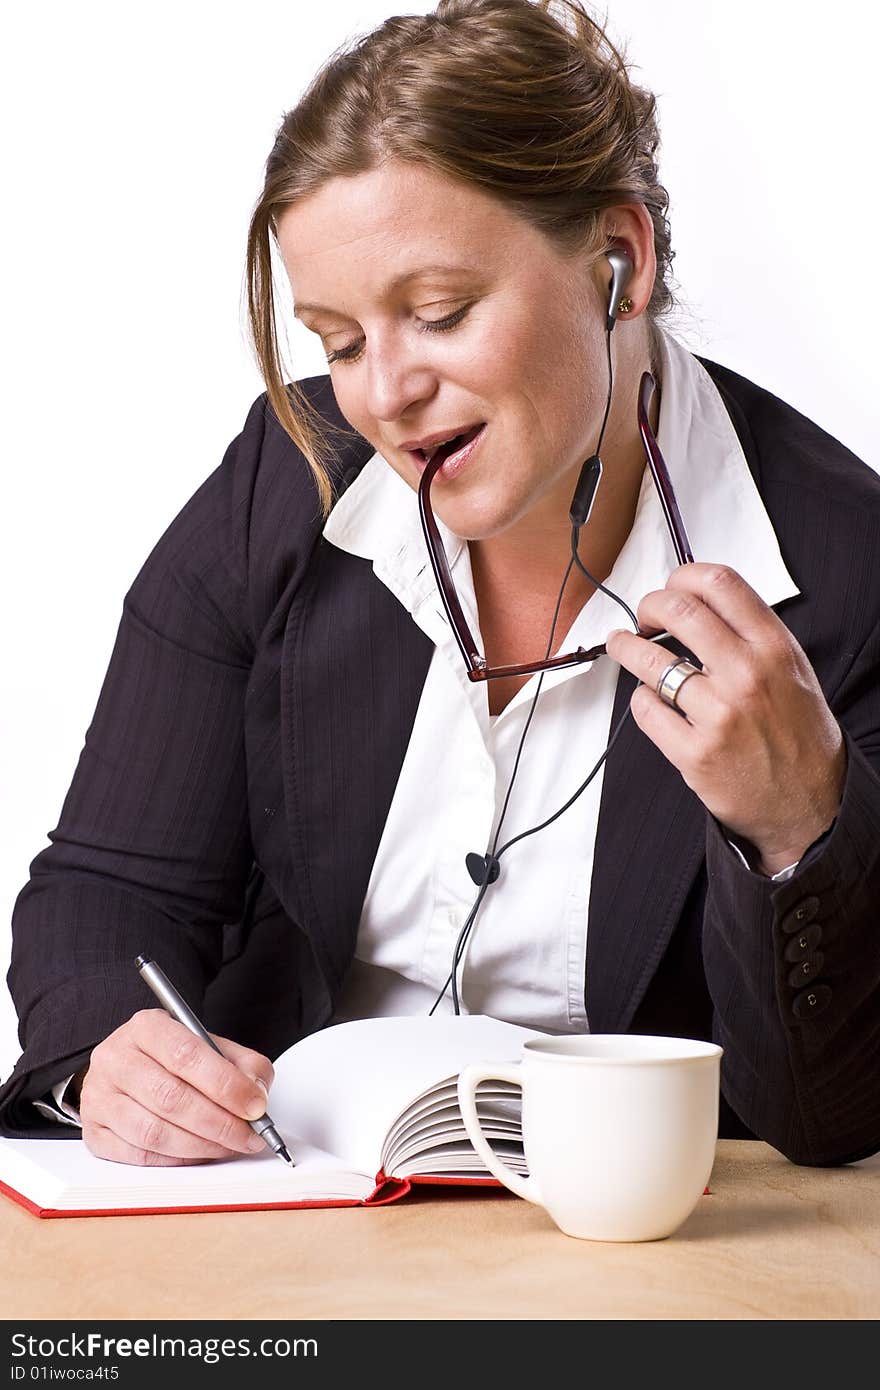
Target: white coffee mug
[(619, 1130)]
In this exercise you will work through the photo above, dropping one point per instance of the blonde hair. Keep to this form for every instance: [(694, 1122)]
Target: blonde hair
[(527, 99)]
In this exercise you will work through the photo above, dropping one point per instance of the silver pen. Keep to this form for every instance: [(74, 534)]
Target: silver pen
[(178, 1008)]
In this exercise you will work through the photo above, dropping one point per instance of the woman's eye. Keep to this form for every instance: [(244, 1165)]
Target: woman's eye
[(352, 353)]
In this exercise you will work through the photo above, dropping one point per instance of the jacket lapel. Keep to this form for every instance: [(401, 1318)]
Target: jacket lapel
[(649, 849), (353, 668)]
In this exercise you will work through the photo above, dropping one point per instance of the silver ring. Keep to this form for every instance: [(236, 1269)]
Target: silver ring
[(673, 678)]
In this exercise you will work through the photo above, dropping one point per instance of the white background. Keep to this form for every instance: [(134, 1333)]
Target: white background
[(133, 147)]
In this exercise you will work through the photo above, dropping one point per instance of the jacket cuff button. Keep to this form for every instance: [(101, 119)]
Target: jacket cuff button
[(797, 918), (811, 1002)]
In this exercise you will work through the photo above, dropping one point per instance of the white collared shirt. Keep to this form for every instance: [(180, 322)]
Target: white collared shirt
[(526, 957)]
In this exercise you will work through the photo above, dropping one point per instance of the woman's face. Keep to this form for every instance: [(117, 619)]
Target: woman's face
[(440, 311)]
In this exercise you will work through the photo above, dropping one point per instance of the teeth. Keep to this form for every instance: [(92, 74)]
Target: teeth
[(429, 453)]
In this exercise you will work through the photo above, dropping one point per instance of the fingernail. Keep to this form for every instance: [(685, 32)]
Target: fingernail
[(255, 1143), (257, 1106)]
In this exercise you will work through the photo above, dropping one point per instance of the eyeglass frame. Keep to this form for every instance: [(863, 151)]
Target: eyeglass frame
[(477, 667)]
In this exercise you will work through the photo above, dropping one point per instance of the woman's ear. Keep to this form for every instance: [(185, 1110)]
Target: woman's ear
[(630, 229)]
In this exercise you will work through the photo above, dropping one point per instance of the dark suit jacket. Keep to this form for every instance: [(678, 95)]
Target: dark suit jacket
[(229, 799)]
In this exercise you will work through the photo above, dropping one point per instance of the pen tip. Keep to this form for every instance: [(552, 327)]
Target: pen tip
[(282, 1153)]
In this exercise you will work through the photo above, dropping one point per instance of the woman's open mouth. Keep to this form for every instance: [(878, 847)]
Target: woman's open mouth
[(455, 452)]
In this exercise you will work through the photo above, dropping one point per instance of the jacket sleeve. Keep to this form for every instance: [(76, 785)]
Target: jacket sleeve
[(152, 851), (794, 967)]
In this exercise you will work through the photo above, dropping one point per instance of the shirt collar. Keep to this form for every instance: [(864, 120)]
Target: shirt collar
[(377, 518), (726, 521)]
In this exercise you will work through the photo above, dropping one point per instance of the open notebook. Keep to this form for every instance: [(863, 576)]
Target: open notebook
[(366, 1109)]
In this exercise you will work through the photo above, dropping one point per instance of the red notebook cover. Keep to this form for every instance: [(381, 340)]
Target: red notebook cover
[(386, 1190)]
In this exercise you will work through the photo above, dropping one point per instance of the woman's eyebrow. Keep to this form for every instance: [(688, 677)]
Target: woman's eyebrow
[(422, 272)]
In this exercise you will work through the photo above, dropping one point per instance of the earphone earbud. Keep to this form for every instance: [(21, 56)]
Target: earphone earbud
[(585, 493), (621, 272)]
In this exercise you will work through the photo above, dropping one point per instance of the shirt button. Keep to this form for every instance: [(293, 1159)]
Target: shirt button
[(800, 915), (807, 970), (804, 942), (811, 1002)]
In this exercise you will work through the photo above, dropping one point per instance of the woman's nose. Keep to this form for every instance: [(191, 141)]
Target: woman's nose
[(398, 377)]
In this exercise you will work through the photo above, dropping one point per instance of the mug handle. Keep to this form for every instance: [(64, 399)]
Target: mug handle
[(468, 1080)]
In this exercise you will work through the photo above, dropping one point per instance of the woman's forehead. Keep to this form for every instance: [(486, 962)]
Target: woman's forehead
[(391, 224)]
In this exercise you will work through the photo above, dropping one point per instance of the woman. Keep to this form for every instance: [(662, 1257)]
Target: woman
[(307, 792)]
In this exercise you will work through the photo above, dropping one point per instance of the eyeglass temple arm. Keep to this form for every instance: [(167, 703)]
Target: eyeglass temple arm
[(457, 621), (660, 472)]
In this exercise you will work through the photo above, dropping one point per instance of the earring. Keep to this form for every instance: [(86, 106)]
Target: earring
[(625, 305)]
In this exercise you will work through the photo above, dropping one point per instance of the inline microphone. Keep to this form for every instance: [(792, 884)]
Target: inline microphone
[(585, 491), (477, 864)]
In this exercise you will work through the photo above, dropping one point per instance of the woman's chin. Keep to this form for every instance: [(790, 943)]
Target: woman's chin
[(474, 522)]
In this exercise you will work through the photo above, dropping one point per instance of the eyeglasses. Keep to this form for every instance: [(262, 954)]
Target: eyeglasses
[(477, 667)]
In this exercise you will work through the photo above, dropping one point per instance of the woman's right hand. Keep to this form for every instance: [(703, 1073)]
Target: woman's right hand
[(155, 1094)]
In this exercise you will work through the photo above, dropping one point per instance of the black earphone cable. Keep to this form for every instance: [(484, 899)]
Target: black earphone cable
[(610, 385), (491, 859), (576, 530), (466, 928), (576, 560)]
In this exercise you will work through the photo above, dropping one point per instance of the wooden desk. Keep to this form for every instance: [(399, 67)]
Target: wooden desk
[(771, 1241)]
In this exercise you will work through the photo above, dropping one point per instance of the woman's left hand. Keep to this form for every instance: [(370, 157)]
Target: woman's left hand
[(757, 743)]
